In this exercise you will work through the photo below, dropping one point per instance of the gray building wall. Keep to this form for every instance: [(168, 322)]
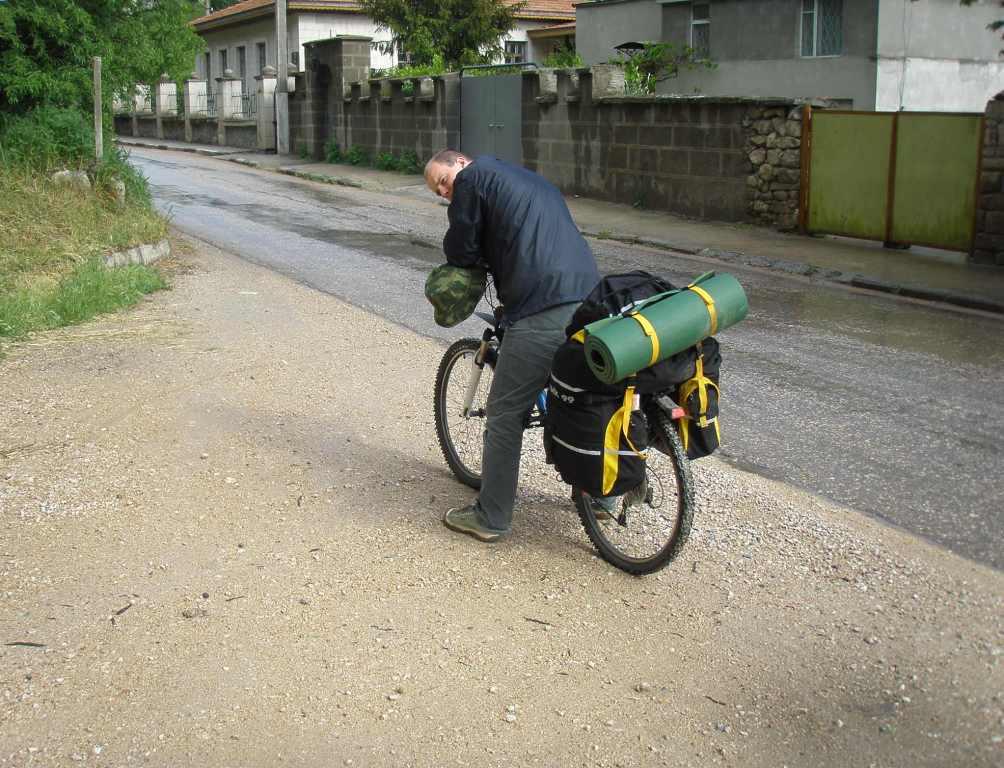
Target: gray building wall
[(602, 25), (756, 45), (757, 48)]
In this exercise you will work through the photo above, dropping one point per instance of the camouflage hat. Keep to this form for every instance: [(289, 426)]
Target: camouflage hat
[(454, 292)]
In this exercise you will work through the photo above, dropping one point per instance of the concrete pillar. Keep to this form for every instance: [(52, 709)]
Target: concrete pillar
[(158, 107), (167, 96), (194, 94), (227, 87), (608, 80), (266, 107)]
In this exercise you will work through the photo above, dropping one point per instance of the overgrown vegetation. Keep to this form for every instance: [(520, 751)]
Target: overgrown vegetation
[(656, 62), (563, 58), (459, 31), (434, 68), (403, 162), (55, 235), (46, 47)]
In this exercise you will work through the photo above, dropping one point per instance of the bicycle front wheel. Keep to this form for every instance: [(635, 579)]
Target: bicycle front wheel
[(646, 536), (461, 437)]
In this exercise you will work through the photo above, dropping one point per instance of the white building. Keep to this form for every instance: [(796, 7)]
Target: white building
[(242, 37)]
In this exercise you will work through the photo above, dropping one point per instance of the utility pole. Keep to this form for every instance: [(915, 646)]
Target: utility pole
[(99, 142), (282, 81)]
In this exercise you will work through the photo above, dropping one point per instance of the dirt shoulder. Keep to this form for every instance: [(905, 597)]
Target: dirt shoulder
[(220, 545)]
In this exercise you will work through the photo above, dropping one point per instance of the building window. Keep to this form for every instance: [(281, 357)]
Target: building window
[(515, 51), (242, 64), (700, 29), (223, 62), (261, 58), (822, 27), (208, 64)]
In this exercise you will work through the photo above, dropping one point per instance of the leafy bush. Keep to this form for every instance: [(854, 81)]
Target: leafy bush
[(46, 137), (385, 161), (564, 58), (656, 62), (332, 153), (437, 67), (408, 162), (357, 156)]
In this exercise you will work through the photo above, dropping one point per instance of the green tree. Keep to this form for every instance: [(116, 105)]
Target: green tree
[(460, 31), (46, 47)]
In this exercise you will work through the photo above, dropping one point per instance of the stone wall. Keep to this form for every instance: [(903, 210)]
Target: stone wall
[(205, 130), (701, 157), (173, 128), (773, 145), (989, 241), (146, 127), (243, 135)]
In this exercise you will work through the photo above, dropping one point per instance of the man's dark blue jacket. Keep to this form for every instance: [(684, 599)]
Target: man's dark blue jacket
[(516, 223)]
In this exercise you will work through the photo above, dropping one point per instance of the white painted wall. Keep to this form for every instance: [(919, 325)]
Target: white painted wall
[(321, 26), (937, 55)]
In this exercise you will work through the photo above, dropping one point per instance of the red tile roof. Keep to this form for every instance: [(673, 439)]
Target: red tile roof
[(541, 10)]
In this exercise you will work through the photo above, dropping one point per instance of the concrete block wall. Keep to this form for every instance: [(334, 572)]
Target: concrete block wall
[(380, 117), (682, 154), (336, 101), (989, 241)]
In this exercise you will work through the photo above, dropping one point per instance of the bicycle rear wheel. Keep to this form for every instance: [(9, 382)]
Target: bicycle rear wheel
[(461, 438), (648, 535)]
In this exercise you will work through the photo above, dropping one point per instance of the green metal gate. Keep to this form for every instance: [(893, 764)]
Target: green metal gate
[(491, 116), (903, 177)]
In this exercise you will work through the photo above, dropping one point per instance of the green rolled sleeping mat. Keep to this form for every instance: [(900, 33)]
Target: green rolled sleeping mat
[(662, 326)]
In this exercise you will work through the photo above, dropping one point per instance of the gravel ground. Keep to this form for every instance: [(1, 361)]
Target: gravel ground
[(221, 545)]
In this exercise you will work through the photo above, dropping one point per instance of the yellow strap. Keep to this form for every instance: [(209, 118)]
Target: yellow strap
[(709, 303), (619, 424), (579, 336), (646, 326)]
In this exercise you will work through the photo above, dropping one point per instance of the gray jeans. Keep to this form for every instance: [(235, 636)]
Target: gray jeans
[(521, 373)]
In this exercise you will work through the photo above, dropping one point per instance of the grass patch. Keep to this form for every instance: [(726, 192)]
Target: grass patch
[(51, 246), (89, 290)]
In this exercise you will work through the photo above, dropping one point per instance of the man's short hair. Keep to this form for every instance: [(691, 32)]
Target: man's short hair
[(447, 157)]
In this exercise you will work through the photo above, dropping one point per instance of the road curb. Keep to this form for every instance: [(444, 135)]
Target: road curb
[(147, 253), (801, 269), (341, 181)]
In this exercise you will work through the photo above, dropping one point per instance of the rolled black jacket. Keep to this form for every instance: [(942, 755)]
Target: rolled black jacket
[(516, 223)]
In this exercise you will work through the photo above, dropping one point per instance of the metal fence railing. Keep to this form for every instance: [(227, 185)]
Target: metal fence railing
[(244, 106), (210, 104)]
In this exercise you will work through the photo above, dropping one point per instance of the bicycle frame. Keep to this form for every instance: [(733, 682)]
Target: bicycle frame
[(539, 411)]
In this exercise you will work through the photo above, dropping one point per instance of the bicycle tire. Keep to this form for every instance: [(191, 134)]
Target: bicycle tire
[(461, 463), (597, 530)]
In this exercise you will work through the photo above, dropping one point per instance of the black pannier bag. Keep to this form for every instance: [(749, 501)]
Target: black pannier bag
[(595, 440), (699, 429)]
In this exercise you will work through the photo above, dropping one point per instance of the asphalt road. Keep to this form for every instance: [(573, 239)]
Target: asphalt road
[(890, 407)]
